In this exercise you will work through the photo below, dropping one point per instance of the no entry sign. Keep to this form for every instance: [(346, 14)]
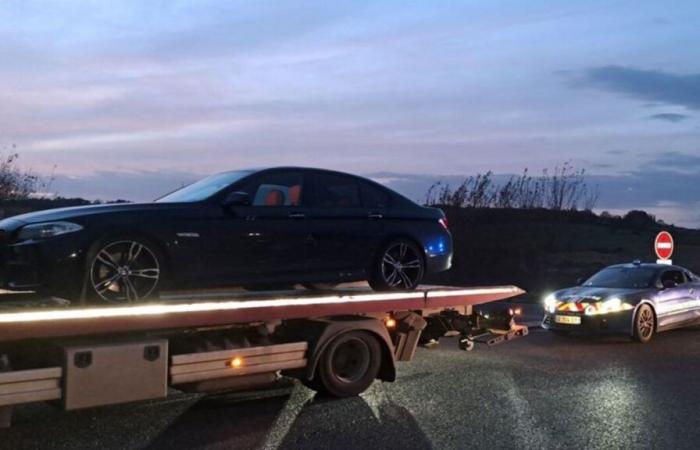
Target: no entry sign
[(663, 244)]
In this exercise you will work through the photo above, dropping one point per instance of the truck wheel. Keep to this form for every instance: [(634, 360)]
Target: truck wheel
[(644, 324), (350, 364), (400, 266), (124, 270)]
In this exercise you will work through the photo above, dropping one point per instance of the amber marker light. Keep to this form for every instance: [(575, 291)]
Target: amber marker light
[(236, 362)]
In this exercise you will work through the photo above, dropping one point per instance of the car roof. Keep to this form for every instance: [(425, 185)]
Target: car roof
[(255, 170), (314, 169), (656, 266), (395, 195)]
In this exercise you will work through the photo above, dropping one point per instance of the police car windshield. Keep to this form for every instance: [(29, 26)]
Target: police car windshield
[(623, 278)]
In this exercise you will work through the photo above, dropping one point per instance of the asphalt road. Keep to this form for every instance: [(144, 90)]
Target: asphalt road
[(542, 391)]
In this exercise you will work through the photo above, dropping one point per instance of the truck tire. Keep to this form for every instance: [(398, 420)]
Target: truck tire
[(350, 364)]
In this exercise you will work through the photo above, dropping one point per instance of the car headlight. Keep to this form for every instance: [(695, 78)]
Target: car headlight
[(47, 230), (611, 305), (550, 303)]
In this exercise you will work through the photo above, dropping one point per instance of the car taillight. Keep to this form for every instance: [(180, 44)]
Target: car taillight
[(443, 222)]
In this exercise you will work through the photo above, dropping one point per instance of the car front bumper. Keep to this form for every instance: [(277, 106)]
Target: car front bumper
[(612, 323), (51, 265)]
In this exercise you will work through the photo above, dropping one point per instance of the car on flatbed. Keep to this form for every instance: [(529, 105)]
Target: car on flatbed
[(634, 299), (256, 228)]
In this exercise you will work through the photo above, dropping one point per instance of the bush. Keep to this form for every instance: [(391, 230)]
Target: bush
[(16, 184), (564, 189)]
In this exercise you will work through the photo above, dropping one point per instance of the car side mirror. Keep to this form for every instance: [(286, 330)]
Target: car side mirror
[(236, 198), (669, 284)]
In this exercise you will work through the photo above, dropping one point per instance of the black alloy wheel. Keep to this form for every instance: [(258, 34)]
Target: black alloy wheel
[(124, 271), (400, 267)]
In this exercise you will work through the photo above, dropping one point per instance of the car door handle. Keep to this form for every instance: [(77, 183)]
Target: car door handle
[(297, 215), (376, 216)]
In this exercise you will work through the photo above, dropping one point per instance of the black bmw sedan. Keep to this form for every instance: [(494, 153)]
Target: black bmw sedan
[(635, 299), (250, 227)]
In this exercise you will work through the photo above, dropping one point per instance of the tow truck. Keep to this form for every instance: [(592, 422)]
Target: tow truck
[(336, 342)]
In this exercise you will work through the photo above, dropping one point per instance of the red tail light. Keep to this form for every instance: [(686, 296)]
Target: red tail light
[(444, 222)]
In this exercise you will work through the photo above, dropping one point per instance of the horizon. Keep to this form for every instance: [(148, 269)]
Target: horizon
[(130, 100)]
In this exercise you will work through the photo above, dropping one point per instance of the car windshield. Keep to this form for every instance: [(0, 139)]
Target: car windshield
[(204, 188), (622, 278)]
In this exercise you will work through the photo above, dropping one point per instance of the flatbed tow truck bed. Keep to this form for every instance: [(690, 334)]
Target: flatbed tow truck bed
[(88, 356)]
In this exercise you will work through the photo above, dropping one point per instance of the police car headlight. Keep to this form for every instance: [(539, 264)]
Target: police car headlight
[(614, 304), (550, 303), (611, 305), (47, 230)]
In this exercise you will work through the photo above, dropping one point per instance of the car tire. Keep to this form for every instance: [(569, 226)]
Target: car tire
[(122, 270), (399, 266), (644, 324), (349, 364)]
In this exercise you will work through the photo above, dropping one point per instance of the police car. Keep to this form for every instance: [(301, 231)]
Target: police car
[(634, 299)]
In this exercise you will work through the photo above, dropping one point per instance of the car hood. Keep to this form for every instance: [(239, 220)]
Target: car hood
[(50, 215), (578, 294)]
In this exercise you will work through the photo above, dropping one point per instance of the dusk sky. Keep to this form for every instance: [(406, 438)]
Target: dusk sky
[(130, 99)]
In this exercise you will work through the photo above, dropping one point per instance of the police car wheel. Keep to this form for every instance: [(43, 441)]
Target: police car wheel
[(644, 324)]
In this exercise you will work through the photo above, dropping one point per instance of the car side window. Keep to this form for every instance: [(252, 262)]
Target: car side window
[(277, 189), (690, 277), (373, 197), (337, 191), (673, 275)]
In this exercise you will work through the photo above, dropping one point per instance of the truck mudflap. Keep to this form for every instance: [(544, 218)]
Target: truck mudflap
[(409, 327)]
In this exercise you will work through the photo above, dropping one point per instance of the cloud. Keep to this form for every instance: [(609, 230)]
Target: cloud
[(669, 117), (142, 186), (675, 161), (648, 85)]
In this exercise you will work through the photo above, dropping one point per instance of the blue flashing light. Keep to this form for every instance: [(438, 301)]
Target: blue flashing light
[(436, 247)]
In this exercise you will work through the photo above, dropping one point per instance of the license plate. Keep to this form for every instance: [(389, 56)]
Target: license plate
[(569, 320)]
